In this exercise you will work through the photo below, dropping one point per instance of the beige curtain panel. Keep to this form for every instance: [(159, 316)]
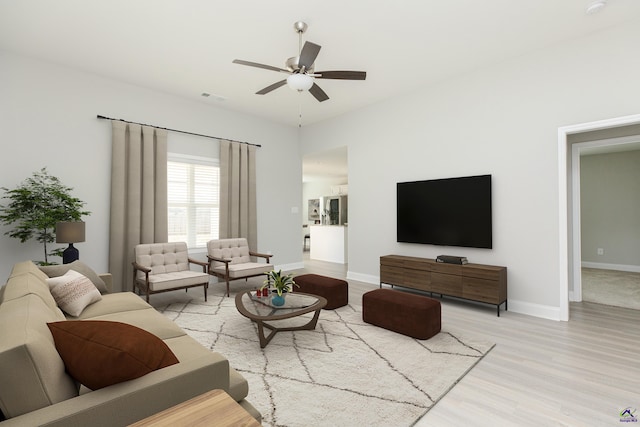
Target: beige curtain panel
[(238, 192), (138, 195)]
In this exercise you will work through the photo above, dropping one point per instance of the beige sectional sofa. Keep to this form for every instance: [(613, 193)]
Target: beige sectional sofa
[(36, 389)]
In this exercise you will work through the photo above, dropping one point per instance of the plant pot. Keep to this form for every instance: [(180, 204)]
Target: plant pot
[(277, 300)]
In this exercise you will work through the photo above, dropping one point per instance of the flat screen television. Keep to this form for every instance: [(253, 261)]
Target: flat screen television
[(448, 212)]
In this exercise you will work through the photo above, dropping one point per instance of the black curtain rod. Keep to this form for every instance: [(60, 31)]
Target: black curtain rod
[(179, 131)]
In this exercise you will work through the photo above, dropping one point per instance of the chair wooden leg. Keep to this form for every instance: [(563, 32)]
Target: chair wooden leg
[(227, 287), (205, 292)]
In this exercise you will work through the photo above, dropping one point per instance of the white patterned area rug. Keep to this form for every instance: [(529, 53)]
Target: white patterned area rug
[(343, 373)]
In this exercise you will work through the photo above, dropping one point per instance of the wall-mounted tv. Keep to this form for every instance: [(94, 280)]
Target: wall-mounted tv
[(448, 212)]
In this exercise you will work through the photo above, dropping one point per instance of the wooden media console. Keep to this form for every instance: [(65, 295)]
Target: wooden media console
[(475, 282)]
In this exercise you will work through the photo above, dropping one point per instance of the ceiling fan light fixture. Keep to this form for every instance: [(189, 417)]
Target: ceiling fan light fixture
[(300, 82)]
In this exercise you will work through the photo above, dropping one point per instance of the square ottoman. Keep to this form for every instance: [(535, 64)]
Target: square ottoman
[(409, 314), (335, 291)]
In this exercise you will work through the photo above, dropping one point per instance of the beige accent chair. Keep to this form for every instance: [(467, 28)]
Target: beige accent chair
[(230, 259), (164, 267)]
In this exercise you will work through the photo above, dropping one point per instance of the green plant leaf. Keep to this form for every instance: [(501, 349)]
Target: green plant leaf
[(37, 205)]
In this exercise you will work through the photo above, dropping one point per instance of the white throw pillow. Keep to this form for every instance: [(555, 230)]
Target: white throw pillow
[(73, 292)]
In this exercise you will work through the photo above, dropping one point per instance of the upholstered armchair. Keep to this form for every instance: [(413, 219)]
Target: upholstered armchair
[(230, 259), (163, 267)]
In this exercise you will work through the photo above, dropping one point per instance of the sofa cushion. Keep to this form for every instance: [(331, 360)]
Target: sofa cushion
[(146, 319), (26, 282), (118, 302), (32, 374), (73, 292), (80, 267), (177, 279), (244, 270), (162, 257), (237, 250), (101, 353), (27, 267)]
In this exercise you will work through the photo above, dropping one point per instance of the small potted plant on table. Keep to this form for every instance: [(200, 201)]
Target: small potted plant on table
[(282, 283)]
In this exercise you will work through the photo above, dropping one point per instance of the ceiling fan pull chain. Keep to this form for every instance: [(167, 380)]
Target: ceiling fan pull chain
[(299, 109)]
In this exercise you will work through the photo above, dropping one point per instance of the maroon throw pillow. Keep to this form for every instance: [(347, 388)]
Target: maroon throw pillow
[(99, 353)]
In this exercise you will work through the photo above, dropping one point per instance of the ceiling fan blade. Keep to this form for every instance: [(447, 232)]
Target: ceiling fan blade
[(272, 87), (341, 75), (255, 64), (308, 55), (318, 93)]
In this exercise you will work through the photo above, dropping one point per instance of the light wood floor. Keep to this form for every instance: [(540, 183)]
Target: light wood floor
[(541, 372)]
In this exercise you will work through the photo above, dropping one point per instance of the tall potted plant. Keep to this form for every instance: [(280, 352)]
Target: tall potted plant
[(36, 206)]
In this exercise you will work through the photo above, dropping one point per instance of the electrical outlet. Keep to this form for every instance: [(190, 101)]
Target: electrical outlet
[(600, 251)]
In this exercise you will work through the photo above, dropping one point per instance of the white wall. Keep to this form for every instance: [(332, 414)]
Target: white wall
[(48, 118), (502, 121)]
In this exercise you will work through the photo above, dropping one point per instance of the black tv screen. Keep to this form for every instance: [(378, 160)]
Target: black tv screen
[(449, 212)]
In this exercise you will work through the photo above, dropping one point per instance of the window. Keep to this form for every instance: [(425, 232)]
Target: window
[(193, 198)]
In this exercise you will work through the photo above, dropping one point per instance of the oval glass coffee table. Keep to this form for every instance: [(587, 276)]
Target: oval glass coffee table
[(260, 310)]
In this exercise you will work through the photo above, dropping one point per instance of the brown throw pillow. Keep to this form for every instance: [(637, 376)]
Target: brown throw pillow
[(99, 353)]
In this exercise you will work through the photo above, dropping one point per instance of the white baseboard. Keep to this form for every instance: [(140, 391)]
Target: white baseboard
[(572, 297), (291, 266), (537, 310), (521, 307), (618, 267), (366, 278)]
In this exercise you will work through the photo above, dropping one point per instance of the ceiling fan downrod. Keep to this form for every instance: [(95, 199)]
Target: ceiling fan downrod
[(300, 28)]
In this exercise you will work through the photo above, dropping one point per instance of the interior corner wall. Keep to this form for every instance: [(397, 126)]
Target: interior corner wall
[(502, 120), (48, 119), (610, 209)]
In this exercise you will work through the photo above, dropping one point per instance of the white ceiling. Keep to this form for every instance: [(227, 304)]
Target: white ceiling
[(185, 47)]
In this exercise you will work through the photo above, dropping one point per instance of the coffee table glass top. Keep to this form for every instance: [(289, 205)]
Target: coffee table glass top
[(260, 310), (294, 303)]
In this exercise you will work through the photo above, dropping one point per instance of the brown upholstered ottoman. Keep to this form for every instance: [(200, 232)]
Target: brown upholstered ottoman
[(409, 314), (335, 291)]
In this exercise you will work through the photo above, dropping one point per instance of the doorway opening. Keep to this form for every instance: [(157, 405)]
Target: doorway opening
[(324, 202), (570, 253), (605, 223)]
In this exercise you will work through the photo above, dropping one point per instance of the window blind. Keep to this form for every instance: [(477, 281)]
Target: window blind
[(193, 200)]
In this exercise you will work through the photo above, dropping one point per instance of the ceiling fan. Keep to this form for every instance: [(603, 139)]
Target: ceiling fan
[(301, 71)]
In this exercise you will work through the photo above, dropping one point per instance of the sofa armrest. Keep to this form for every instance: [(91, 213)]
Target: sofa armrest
[(211, 259), (107, 278), (140, 267), (258, 254), (130, 401), (202, 264)]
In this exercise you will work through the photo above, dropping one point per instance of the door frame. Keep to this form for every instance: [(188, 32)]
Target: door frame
[(569, 251)]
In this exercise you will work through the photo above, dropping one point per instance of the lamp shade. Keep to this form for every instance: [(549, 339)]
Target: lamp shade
[(70, 232), (300, 82)]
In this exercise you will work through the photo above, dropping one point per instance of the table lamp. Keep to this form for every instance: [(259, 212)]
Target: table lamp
[(70, 232)]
